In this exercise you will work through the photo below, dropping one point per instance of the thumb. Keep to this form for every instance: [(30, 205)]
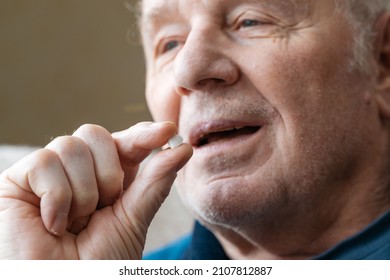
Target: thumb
[(143, 198)]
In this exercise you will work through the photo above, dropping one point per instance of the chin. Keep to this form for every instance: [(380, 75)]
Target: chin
[(229, 202)]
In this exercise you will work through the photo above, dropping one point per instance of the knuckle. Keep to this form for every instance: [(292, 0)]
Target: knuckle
[(90, 131), (139, 134), (43, 159), (43, 162), (141, 126), (68, 146)]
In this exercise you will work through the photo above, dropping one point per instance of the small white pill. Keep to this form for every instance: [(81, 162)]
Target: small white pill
[(175, 141)]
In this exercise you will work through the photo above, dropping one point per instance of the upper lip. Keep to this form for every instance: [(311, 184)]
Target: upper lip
[(202, 129)]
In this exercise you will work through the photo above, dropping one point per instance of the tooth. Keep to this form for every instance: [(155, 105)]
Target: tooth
[(239, 127)]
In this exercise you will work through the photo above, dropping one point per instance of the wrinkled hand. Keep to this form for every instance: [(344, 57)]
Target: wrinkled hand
[(82, 197)]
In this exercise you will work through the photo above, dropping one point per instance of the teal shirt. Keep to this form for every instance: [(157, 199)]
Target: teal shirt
[(373, 243)]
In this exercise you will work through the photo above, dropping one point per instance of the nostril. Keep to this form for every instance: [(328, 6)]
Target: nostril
[(210, 82), (182, 90), (204, 72)]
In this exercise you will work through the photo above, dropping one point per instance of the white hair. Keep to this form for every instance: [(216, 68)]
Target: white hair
[(362, 15)]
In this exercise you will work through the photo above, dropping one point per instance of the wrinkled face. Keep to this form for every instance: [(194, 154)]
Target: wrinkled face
[(264, 92)]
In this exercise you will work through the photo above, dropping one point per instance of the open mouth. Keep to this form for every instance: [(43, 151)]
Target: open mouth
[(224, 134)]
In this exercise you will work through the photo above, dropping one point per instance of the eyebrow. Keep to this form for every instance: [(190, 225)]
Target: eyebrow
[(163, 13)]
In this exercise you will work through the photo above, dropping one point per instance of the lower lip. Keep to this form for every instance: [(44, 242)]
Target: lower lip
[(230, 144), (236, 157)]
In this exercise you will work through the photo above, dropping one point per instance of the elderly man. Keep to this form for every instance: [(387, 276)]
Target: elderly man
[(285, 107)]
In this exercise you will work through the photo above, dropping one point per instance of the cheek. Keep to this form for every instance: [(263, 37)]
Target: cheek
[(163, 102), (313, 92), (300, 80)]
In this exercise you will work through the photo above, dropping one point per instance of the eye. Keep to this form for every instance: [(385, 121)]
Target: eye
[(167, 46), (249, 23), (253, 24), (170, 45)]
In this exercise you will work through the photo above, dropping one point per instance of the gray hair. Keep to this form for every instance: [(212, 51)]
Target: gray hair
[(362, 15)]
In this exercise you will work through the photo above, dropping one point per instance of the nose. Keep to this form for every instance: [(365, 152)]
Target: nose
[(203, 64)]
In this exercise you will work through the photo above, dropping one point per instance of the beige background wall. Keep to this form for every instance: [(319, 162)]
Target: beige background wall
[(67, 62)]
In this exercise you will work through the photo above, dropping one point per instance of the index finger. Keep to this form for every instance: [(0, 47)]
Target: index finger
[(137, 142)]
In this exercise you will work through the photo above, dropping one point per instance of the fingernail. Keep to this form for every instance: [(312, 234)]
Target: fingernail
[(59, 223)]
